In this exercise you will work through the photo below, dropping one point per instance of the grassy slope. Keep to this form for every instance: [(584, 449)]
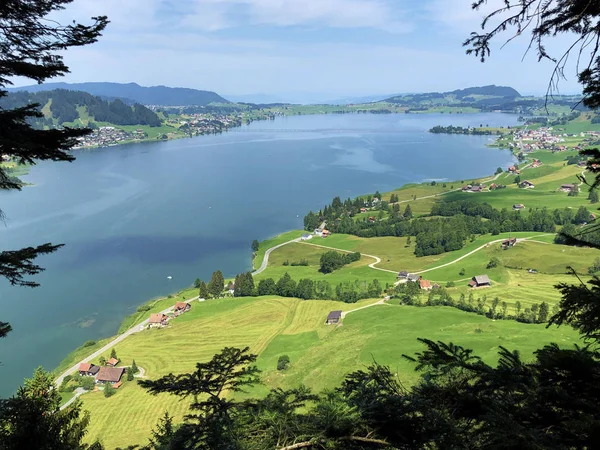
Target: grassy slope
[(321, 355), (269, 243)]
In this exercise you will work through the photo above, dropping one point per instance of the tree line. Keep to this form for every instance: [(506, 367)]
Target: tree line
[(449, 225), (409, 293), (332, 260), (450, 129)]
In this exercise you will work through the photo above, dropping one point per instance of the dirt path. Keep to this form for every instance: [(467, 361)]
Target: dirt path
[(380, 302), (372, 265)]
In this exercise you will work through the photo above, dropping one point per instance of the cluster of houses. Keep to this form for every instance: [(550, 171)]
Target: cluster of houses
[(473, 188), (104, 374), (426, 285), (532, 140), (159, 320), (106, 137)]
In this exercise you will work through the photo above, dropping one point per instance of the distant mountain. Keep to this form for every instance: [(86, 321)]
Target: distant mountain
[(155, 95), (472, 94), (255, 98)]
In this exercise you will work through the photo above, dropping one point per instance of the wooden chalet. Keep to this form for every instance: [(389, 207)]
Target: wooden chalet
[(425, 285), (88, 370), (526, 184), (567, 187), (480, 281), (157, 320), (181, 307), (334, 317), (110, 374)]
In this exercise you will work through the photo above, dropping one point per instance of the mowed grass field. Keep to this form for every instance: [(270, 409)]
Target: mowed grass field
[(321, 355), (296, 252)]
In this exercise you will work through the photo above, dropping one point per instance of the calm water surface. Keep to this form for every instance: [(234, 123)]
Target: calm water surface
[(130, 216)]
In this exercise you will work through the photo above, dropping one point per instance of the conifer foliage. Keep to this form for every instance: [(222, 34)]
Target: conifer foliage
[(29, 47)]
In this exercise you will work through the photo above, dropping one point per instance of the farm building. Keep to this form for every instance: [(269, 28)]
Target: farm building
[(326, 233), (518, 206), (110, 374), (526, 184), (425, 285), (157, 320), (480, 281), (402, 275), (567, 187), (112, 362), (334, 317), (414, 278), (181, 307), (511, 242), (87, 369)]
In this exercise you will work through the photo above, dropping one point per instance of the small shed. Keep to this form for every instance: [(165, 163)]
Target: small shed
[(112, 362), (511, 242), (518, 206), (403, 275), (480, 281), (567, 187), (334, 317)]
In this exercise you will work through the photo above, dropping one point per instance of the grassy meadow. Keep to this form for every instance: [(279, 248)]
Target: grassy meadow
[(320, 355)]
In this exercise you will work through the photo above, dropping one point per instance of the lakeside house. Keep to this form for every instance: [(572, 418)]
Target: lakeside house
[(526, 184), (567, 187), (518, 206), (334, 317), (112, 362), (425, 285), (157, 320), (88, 370), (181, 307), (512, 169), (480, 281), (511, 242), (110, 374), (230, 287)]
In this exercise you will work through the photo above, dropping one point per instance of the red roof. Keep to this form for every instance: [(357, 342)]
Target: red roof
[(424, 283), (85, 367), (181, 305), (157, 318), (112, 362)]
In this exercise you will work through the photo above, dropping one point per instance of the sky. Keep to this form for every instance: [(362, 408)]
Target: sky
[(294, 47)]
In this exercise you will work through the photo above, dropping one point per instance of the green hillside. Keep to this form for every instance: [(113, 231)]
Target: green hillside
[(320, 354)]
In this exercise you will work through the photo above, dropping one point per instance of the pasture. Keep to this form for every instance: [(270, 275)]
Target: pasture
[(321, 355)]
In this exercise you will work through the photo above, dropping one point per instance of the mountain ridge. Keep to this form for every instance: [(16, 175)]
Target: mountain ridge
[(146, 95)]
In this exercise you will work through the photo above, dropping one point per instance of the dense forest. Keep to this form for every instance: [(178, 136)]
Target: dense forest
[(64, 108), (449, 226)]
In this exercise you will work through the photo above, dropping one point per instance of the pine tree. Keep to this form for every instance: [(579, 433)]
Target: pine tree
[(216, 284), (543, 313), (163, 433), (593, 196), (113, 353), (134, 367), (129, 374), (203, 292), (102, 361), (109, 390), (31, 47), (408, 211)]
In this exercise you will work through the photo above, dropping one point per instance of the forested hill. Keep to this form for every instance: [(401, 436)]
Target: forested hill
[(62, 107), (155, 95), (484, 97)]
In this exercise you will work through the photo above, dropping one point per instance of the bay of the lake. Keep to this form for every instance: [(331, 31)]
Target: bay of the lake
[(131, 216)]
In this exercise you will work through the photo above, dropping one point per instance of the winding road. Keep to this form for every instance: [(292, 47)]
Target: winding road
[(265, 262), (139, 327)]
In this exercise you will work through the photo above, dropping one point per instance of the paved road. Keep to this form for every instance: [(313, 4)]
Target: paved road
[(476, 250), (265, 262), (115, 341)]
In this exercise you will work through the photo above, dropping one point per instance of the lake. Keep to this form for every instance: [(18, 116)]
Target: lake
[(133, 215)]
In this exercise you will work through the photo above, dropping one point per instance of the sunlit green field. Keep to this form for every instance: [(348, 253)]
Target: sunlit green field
[(320, 355)]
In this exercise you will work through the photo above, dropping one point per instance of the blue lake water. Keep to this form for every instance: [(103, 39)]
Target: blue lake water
[(132, 215)]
